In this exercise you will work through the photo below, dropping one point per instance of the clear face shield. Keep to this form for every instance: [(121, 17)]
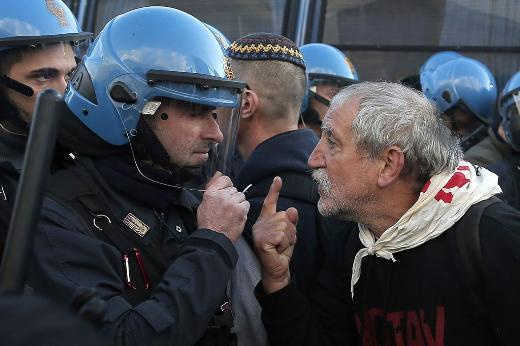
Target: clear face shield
[(194, 119), (512, 122), (28, 70)]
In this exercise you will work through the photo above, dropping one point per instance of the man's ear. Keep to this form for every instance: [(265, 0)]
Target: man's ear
[(391, 167), (249, 104)]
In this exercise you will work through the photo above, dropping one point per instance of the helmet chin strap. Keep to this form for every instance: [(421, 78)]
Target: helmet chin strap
[(157, 153), (474, 137), (319, 98), (12, 84), (154, 148)]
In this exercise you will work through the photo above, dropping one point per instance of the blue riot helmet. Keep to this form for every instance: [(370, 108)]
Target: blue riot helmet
[(328, 70), (464, 82), (431, 65), (221, 38), (465, 91), (438, 59), (145, 60), (509, 109)]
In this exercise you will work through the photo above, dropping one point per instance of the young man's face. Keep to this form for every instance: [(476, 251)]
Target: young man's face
[(342, 173), (43, 68), (187, 132)]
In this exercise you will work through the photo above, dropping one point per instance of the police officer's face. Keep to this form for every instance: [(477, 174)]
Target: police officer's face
[(42, 68), (187, 132), (461, 122)]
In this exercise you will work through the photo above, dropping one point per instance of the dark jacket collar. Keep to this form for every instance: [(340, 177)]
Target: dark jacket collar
[(285, 152), (122, 175)]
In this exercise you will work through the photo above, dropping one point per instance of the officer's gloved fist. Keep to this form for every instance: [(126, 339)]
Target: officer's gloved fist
[(223, 208), (274, 234)]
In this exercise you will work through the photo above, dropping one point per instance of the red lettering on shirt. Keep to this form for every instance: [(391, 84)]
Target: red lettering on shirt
[(439, 328), (396, 319), (400, 328)]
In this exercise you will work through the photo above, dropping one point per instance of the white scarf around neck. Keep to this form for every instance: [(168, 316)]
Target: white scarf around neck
[(444, 199)]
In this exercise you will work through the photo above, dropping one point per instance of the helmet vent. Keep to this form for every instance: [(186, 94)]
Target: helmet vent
[(446, 96), (121, 93)]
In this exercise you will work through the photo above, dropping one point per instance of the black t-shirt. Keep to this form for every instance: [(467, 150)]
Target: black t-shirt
[(421, 299)]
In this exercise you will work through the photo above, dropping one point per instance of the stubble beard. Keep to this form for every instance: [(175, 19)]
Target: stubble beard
[(348, 208)]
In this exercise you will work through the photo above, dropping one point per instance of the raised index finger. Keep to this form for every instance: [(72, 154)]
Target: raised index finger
[(271, 199)]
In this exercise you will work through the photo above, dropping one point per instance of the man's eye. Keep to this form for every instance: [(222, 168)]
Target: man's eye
[(330, 142), (44, 76)]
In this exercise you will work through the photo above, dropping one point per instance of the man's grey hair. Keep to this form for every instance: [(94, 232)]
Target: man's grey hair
[(393, 114)]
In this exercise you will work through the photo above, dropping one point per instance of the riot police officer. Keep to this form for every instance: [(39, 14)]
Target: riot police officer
[(508, 170), (328, 70), (465, 91), (39, 42), (153, 115)]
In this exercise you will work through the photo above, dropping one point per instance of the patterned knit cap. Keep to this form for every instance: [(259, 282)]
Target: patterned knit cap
[(265, 46)]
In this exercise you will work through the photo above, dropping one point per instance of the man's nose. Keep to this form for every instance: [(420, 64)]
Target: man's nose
[(59, 84), (316, 159)]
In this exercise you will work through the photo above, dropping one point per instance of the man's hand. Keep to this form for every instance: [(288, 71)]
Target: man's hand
[(223, 208), (275, 235)]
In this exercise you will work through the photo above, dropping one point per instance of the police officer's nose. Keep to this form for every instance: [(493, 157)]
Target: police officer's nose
[(212, 131), (59, 84)]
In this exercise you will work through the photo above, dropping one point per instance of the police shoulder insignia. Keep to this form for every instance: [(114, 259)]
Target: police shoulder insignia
[(57, 11), (136, 225)]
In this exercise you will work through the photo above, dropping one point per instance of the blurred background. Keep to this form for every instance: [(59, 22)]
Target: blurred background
[(385, 39)]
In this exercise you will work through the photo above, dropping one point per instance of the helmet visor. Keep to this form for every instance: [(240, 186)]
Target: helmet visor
[(512, 127), (195, 140)]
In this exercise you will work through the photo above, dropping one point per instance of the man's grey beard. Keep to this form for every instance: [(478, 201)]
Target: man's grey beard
[(322, 179), (325, 187), (344, 209)]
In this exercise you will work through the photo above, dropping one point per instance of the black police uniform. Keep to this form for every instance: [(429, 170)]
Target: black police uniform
[(12, 149), (105, 227)]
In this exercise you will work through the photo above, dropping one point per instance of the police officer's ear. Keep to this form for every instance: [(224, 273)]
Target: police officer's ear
[(250, 103)]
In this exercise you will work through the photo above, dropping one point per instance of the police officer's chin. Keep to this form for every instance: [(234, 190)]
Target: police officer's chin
[(199, 159)]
